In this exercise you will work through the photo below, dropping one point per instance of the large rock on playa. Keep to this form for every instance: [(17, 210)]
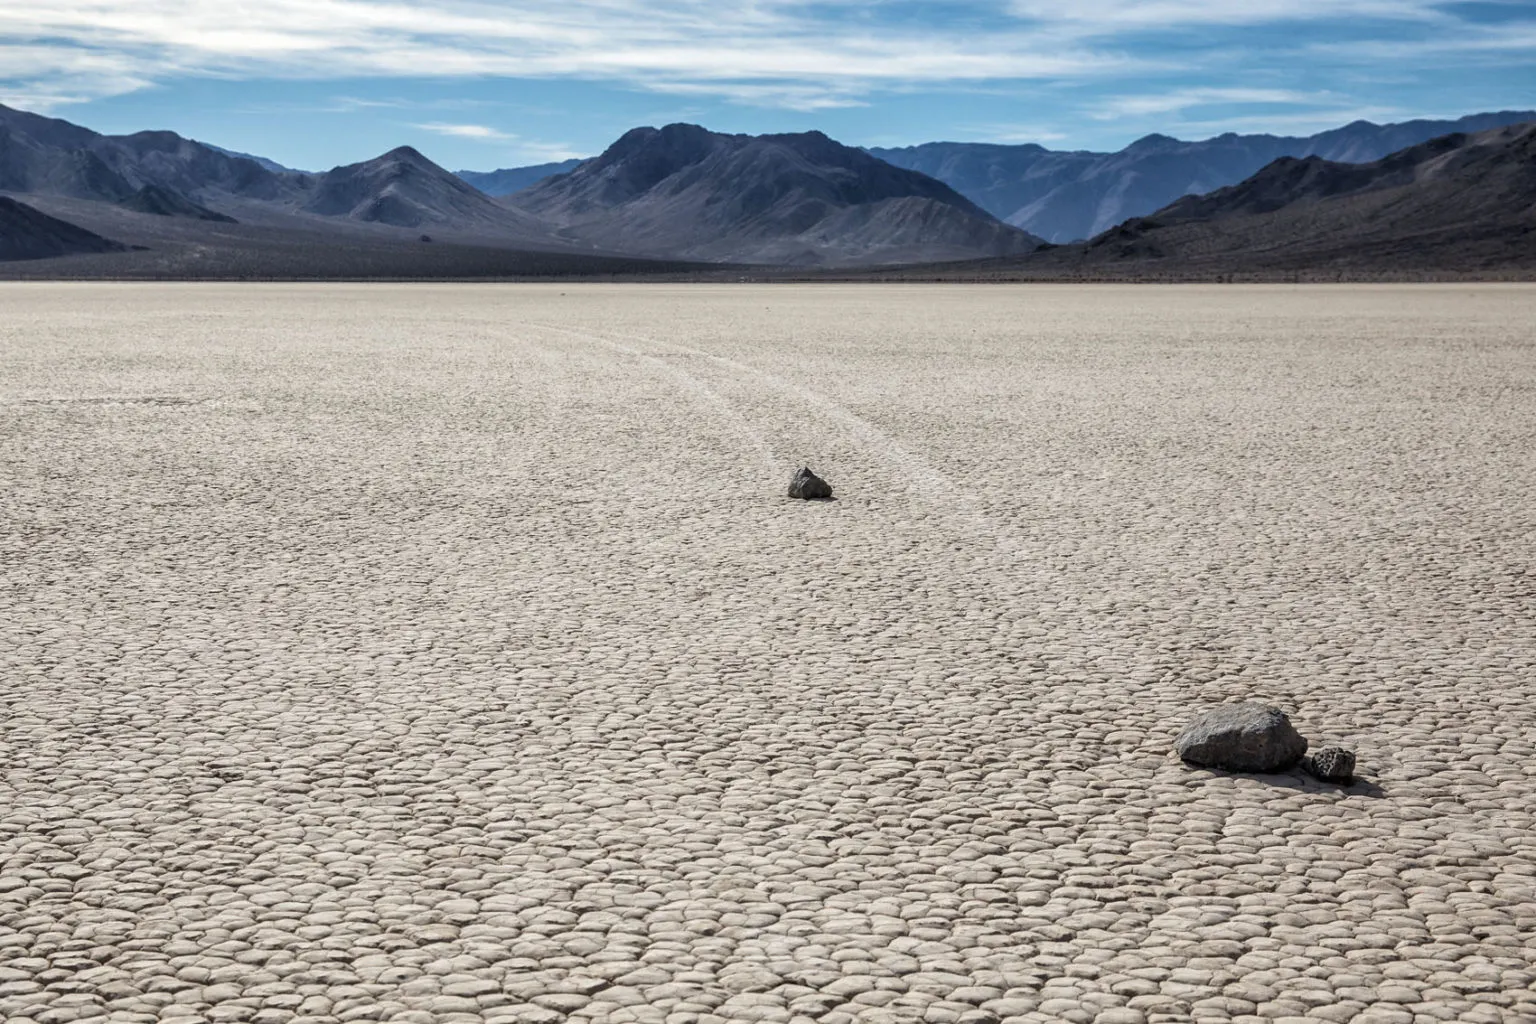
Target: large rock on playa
[(1246, 737), (806, 484)]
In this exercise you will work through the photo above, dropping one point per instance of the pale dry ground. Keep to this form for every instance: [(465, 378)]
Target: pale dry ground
[(451, 654)]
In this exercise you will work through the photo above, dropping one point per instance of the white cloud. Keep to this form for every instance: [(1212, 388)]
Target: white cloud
[(466, 131), (527, 152), (1177, 100), (40, 77), (523, 151)]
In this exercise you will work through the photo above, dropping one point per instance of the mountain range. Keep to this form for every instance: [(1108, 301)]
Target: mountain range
[(680, 199), (679, 192), (1069, 196)]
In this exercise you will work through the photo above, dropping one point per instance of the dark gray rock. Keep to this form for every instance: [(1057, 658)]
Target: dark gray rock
[(1331, 764), (810, 486), (1246, 737)]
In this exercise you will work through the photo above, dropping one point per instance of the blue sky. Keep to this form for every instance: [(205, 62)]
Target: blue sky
[(494, 83)]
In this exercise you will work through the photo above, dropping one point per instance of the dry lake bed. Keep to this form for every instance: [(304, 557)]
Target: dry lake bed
[(440, 653)]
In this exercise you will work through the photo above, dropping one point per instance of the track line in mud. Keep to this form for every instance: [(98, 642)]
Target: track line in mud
[(723, 410), (924, 480)]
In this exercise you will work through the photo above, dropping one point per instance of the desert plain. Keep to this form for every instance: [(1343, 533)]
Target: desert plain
[(452, 653)]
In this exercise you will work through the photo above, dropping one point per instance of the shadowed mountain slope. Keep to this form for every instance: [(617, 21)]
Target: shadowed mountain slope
[(803, 199), (1064, 196), (508, 180), (162, 202), (29, 234), (303, 247)]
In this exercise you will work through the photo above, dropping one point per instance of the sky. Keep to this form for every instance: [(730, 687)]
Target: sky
[(481, 84)]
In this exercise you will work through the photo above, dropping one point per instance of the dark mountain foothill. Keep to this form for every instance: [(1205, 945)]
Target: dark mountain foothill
[(29, 234)]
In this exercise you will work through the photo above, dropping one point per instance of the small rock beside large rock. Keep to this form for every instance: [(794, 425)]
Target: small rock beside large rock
[(1246, 737), (808, 485), (1331, 764)]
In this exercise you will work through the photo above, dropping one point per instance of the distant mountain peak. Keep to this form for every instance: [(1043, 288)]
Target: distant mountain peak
[(405, 154), (1153, 141)]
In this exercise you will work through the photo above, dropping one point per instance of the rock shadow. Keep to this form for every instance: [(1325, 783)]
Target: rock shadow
[(1300, 781)]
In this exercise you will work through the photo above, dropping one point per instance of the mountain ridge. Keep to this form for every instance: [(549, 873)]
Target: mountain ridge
[(1464, 201), (50, 156), (684, 193), (796, 198), (1067, 195)]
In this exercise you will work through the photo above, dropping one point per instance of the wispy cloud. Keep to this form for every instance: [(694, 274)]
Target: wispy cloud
[(1300, 123), (769, 52), (466, 131), (784, 95), (41, 76), (1179, 100), (529, 152), (521, 150), (791, 54), (1513, 40), (1012, 133)]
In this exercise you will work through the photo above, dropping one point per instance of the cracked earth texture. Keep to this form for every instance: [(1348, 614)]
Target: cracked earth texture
[(438, 653)]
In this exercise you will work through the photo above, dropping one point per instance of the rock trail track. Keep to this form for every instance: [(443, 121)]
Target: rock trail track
[(451, 653)]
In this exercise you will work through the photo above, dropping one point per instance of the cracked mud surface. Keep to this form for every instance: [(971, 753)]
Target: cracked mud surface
[(434, 654)]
